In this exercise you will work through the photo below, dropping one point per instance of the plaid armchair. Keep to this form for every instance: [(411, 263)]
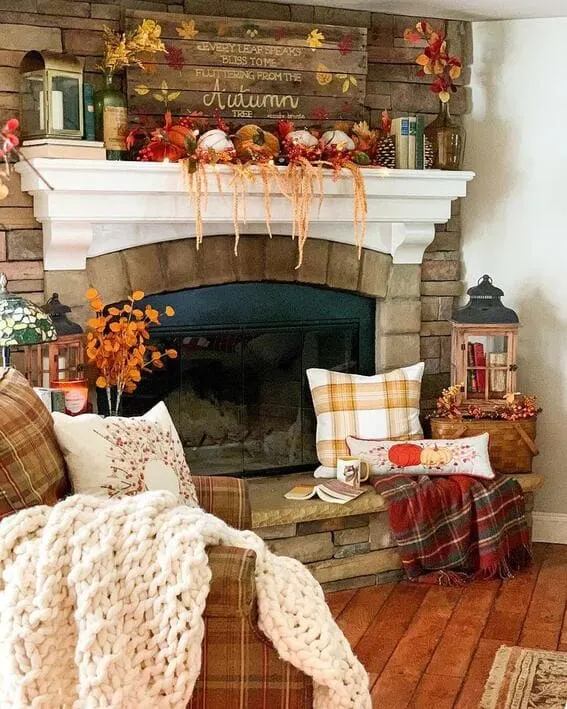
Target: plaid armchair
[(240, 669)]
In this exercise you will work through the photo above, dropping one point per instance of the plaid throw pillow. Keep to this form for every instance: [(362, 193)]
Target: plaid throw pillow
[(32, 471), (382, 406)]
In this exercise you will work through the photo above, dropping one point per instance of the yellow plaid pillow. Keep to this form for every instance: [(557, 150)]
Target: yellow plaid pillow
[(384, 406)]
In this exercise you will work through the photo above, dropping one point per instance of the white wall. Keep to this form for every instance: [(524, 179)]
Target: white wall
[(515, 217)]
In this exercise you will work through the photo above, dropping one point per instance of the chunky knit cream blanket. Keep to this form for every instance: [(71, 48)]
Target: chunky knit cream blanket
[(101, 605)]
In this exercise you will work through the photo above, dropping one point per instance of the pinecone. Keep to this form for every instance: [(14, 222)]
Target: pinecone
[(386, 152), (429, 153)]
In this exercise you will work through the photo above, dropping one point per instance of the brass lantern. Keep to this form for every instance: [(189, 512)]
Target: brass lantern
[(51, 96), (484, 347), (50, 364)]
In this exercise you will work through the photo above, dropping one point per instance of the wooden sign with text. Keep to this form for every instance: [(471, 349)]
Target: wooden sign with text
[(250, 70)]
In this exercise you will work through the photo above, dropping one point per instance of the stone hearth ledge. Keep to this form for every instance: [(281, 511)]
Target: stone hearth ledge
[(271, 508), (98, 207), (344, 546)]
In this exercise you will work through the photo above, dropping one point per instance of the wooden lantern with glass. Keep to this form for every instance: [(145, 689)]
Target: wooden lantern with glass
[(484, 348), (60, 364)]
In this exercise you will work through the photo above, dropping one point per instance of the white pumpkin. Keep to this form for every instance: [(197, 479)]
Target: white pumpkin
[(337, 138), (302, 137), (216, 140)]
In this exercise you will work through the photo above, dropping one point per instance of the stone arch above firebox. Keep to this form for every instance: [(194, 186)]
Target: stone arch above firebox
[(177, 265)]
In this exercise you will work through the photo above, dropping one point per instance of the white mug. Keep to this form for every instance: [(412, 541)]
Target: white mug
[(348, 470)]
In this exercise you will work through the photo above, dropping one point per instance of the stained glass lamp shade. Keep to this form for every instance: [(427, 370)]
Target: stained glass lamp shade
[(21, 322)]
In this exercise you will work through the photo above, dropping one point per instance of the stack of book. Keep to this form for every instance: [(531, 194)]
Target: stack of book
[(63, 148), (53, 399), (408, 133), (480, 364)]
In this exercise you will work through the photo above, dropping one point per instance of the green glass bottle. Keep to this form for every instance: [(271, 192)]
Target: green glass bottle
[(111, 119)]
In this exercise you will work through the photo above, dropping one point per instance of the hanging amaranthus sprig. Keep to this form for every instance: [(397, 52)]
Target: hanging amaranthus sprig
[(242, 175), (302, 176), (360, 205), (198, 188), (117, 344), (301, 182)]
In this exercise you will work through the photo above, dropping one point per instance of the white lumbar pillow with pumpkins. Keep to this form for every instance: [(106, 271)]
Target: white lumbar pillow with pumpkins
[(462, 456)]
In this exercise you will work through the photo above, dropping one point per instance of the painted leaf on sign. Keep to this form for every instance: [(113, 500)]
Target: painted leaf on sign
[(187, 29), (315, 39)]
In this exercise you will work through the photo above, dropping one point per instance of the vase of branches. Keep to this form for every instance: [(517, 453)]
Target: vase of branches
[(118, 345), (121, 49)]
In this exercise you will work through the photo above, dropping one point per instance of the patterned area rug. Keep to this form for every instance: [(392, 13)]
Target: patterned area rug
[(526, 679)]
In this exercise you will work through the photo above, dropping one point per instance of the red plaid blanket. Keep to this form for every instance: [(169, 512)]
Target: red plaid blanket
[(451, 530)]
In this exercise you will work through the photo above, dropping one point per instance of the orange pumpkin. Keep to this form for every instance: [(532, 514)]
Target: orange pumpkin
[(159, 150), (253, 143), (404, 454), (177, 135)]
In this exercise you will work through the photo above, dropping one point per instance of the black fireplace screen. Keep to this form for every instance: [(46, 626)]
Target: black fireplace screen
[(238, 393)]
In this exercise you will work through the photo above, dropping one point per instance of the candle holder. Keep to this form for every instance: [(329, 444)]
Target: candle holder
[(76, 395)]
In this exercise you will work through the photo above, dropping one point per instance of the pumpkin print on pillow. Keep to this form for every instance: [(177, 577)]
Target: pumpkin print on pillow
[(463, 456)]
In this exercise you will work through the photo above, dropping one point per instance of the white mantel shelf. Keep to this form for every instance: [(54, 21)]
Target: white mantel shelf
[(97, 207)]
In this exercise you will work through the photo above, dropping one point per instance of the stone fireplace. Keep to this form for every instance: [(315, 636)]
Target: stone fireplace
[(247, 327)]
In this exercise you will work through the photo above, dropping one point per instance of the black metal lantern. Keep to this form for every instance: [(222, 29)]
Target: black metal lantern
[(58, 312), (485, 305)]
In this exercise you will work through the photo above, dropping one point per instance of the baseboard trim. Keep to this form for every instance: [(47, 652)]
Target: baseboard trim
[(549, 527)]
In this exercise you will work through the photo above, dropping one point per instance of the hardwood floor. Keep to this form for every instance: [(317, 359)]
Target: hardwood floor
[(430, 647)]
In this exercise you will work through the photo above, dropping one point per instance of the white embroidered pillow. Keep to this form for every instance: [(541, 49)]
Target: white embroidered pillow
[(462, 456), (380, 406), (118, 456)]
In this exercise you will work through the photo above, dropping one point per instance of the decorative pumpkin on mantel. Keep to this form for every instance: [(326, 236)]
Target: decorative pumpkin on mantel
[(254, 143), (338, 140), (215, 140), (302, 137)]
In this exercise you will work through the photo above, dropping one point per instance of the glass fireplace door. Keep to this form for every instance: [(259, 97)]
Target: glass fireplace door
[(238, 393)]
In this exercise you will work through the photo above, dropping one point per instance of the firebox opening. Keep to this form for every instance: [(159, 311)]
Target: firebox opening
[(237, 392)]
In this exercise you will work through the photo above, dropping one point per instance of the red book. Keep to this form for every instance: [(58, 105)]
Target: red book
[(472, 382), (479, 359)]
